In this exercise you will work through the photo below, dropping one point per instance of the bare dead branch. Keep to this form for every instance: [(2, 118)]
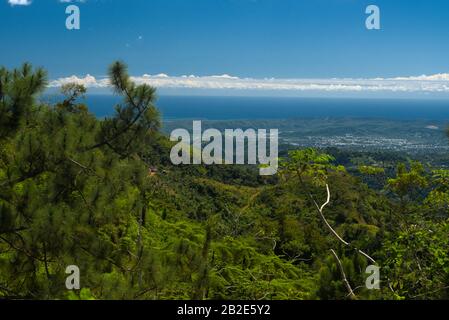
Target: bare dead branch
[(320, 211), (343, 274)]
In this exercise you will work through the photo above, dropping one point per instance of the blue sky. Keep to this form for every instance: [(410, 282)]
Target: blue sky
[(295, 39)]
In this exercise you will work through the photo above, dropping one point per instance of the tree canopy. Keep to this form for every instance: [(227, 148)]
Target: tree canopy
[(102, 194)]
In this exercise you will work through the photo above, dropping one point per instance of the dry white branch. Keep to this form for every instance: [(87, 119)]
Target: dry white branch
[(343, 274), (320, 211)]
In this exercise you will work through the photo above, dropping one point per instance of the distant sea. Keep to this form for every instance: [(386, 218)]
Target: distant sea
[(257, 108)]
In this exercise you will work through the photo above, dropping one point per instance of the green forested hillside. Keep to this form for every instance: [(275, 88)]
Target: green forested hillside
[(103, 195)]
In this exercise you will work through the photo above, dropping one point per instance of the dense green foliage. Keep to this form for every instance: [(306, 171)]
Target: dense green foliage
[(103, 195)]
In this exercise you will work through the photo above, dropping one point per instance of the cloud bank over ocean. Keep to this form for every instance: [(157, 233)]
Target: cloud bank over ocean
[(438, 83)]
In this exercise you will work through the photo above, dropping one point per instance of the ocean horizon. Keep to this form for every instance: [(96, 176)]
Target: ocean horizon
[(260, 108)]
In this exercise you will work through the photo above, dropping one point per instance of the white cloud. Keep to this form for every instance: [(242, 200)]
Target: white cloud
[(427, 84), (435, 77), (19, 2), (88, 81)]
